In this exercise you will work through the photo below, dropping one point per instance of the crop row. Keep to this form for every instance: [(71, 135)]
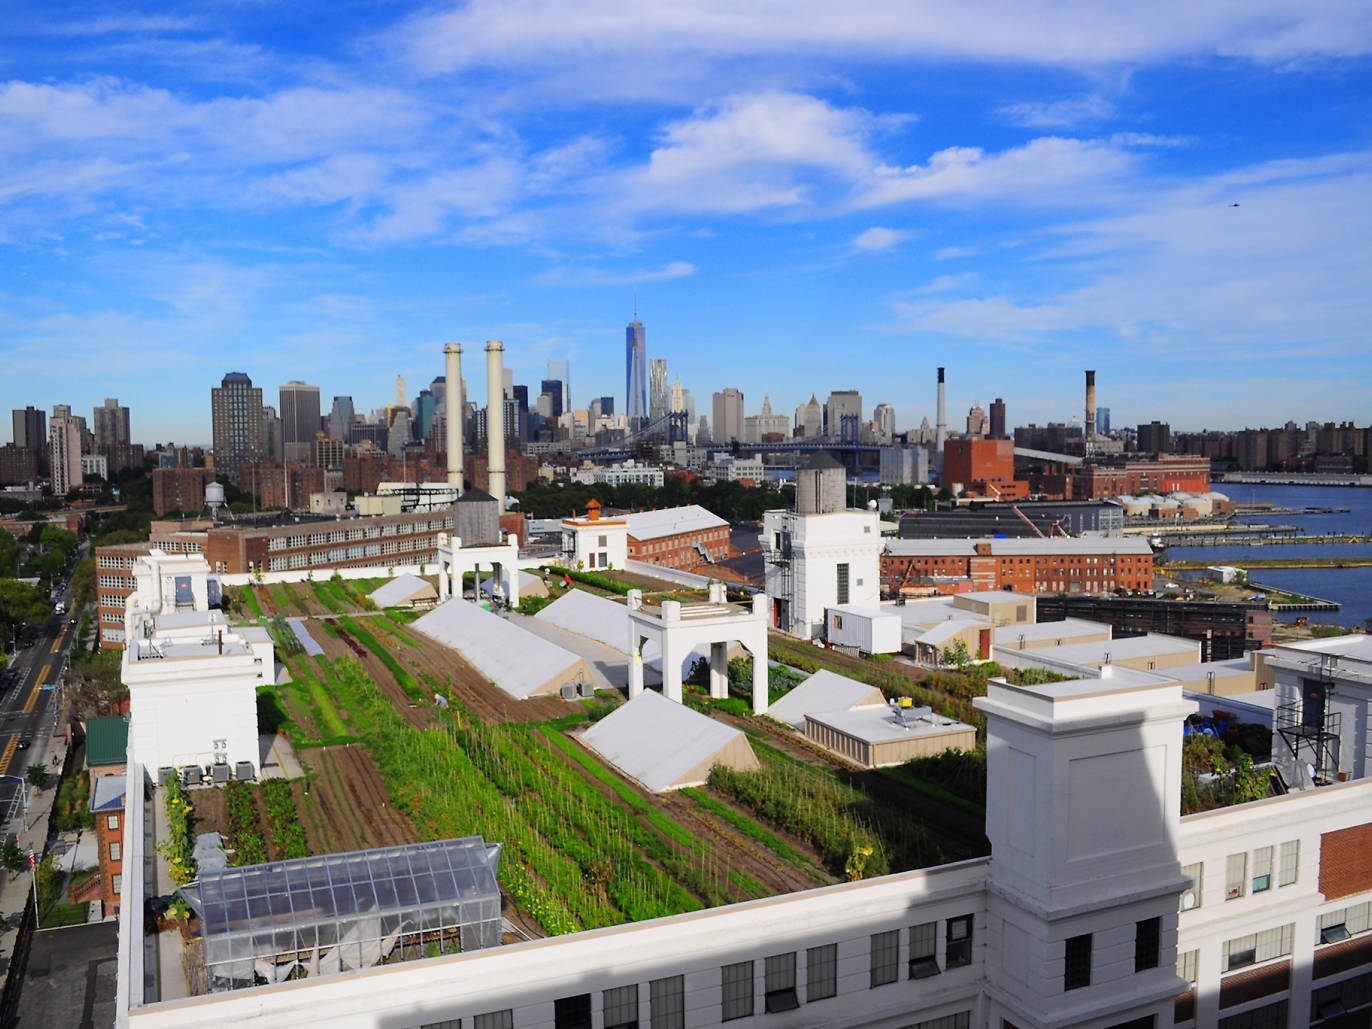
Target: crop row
[(179, 846), (287, 832), (403, 679), (574, 858), (249, 848)]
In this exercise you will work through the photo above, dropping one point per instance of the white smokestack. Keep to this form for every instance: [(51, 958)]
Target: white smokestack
[(1090, 404), (941, 430), (452, 407), (495, 420)]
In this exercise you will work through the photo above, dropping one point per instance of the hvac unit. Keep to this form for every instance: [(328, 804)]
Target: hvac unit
[(220, 773), (165, 775), (243, 771)]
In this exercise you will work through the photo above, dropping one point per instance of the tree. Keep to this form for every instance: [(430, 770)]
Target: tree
[(11, 857), (93, 683), (37, 775), (956, 654), (20, 604)]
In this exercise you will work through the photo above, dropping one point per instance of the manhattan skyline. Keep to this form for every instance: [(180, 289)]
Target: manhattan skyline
[(1174, 197)]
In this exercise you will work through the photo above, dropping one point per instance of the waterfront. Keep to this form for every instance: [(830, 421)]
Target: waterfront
[(1350, 587)]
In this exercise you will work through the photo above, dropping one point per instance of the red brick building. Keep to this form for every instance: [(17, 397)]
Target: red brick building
[(1022, 565), (179, 489), (378, 540), (678, 537), (983, 467), (1124, 478)]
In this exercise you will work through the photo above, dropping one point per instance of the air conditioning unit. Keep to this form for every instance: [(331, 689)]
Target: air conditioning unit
[(166, 775), (221, 772), (243, 771)]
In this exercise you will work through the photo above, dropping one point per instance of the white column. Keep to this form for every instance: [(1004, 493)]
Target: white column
[(452, 407), (719, 670), (635, 663), (495, 421), (760, 674)]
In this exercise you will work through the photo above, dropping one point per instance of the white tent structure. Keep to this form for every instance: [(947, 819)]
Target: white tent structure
[(825, 691), (530, 585), (665, 745), (514, 659), (405, 591), (607, 621)]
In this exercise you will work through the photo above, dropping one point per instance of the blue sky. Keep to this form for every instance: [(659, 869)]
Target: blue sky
[(804, 196)]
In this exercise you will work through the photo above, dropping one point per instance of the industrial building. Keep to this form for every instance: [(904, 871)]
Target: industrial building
[(676, 537), (1023, 519), (1091, 566), (1227, 630), (982, 468), (1099, 906)]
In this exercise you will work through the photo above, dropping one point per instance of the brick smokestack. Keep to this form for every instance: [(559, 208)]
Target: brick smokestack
[(495, 420), (1090, 404), (452, 409), (941, 429)]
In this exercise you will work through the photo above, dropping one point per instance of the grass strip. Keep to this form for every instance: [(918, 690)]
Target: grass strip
[(745, 825)]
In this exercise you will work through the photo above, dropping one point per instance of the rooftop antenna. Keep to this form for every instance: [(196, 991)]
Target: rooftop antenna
[(635, 305)]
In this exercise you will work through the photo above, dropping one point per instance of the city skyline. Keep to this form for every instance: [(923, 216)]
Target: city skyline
[(1175, 198)]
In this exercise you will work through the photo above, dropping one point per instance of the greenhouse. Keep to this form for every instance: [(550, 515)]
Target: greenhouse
[(341, 912)]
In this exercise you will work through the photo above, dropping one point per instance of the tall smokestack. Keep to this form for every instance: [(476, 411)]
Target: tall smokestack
[(1090, 404), (941, 430), (495, 420), (452, 407)]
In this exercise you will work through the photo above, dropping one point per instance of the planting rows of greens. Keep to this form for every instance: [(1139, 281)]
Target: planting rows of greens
[(244, 833), (179, 846), (403, 679), (287, 832), (245, 824)]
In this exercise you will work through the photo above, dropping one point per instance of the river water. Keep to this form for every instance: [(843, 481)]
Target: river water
[(1351, 587)]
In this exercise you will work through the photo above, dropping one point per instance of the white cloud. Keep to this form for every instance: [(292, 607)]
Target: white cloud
[(877, 238), (948, 283), (1056, 114), (587, 276), (953, 253)]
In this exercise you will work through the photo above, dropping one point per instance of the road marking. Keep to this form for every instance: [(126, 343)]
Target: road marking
[(8, 754), (56, 643), (42, 675), (33, 699)]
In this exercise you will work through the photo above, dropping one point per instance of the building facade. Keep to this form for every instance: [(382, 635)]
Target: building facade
[(299, 419), (635, 373), (236, 413), (726, 423), (64, 454), (1022, 565)]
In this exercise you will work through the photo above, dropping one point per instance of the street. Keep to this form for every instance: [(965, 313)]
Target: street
[(26, 707)]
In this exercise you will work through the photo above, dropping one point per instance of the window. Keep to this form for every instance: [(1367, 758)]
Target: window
[(1336, 926), (112, 822), (1273, 1016), (621, 1007), (117, 884), (667, 1003), (959, 952), (116, 851), (494, 1020), (1289, 863), (1191, 897), (843, 583), (779, 991), (1076, 970), (1147, 943), (959, 1020), (1235, 874), (1186, 965), (572, 1012), (1263, 946), (447, 1023), (885, 957), (737, 983), (923, 947), (1262, 869), (821, 972)]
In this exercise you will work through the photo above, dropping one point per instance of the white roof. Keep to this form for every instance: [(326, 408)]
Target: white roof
[(1008, 635), (648, 525), (586, 614), (1028, 547), (511, 657), (526, 580), (824, 691), (943, 631), (1355, 646), (882, 724), (400, 590), (924, 611), (1096, 651), (1221, 670), (858, 611), (658, 741)]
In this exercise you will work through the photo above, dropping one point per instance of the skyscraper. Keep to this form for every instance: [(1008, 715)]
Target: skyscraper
[(636, 374), (561, 371), (400, 391), (727, 422), (65, 454), (843, 415), (657, 389), (271, 434), (300, 418), (998, 418), (236, 416), (810, 419), (341, 418), (884, 419), (30, 427), (111, 424), (1102, 421)]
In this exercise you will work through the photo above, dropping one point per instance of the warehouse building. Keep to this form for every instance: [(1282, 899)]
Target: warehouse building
[(1087, 566)]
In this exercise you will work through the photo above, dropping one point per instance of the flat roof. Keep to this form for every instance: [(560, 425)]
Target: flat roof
[(1008, 635), (1113, 679), (1099, 651), (824, 691), (883, 725), (672, 521), (1221, 670), (1022, 547)]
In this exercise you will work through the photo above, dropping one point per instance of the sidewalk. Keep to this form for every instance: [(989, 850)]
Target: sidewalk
[(16, 888)]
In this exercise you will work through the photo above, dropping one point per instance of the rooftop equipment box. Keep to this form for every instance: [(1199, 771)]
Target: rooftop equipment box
[(867, 629)]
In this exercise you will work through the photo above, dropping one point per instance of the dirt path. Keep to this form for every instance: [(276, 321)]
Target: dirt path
[(351, 801)]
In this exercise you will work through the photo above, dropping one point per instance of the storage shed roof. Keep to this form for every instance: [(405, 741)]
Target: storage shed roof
[(403, 589), (824, 691)]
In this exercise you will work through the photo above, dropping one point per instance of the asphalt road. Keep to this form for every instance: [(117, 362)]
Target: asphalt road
[(27, 699)]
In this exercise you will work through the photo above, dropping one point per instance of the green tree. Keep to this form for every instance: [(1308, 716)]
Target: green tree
[(37, 775), (93, 683), (956, 654), (9, 554), (20, 605), (11, 857)]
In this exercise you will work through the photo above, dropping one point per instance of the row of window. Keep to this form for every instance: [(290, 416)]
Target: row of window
[(1242, 872), (115, 582), (666, 997), (323, 537)]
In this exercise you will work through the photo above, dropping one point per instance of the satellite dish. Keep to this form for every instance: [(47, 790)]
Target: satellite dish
[(871, 505)]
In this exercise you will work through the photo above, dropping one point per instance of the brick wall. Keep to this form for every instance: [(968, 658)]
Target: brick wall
[(1346, 861)]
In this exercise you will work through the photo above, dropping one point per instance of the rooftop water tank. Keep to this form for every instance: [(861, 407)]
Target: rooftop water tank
[(821, 486), (476, 519)]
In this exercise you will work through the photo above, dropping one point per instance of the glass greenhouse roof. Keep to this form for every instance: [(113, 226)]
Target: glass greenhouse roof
[(334, 912)]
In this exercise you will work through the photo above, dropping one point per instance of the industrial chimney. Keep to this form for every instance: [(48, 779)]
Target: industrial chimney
[(452, 406), (495, 421), (941, 431), (1090, 404)]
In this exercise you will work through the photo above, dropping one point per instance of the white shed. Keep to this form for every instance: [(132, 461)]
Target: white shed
[(665, 745), (405, 591), (868, 629), (825, 691)]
